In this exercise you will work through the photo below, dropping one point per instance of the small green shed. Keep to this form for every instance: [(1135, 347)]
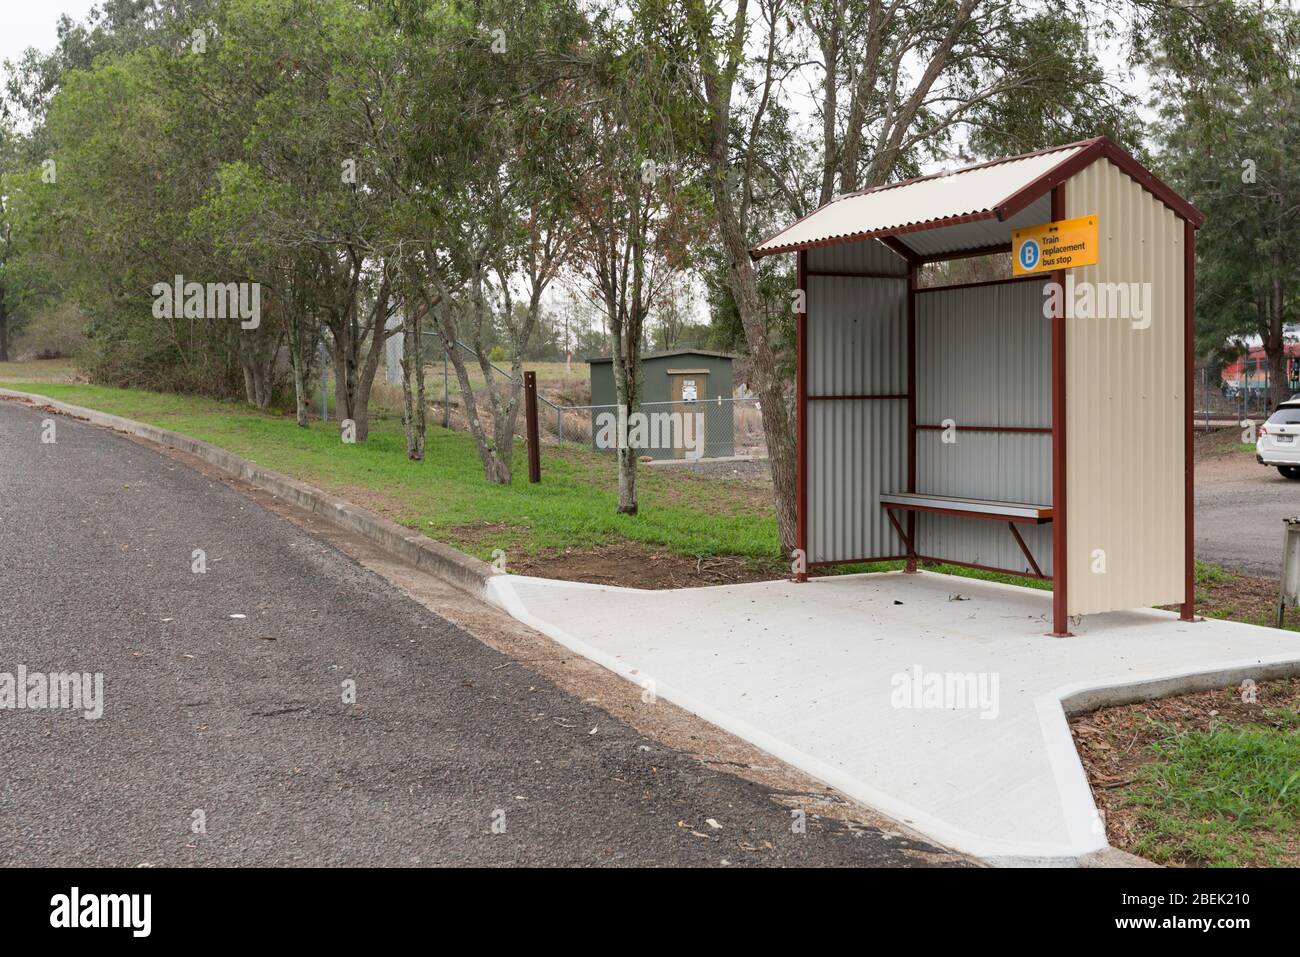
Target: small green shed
[(674, 385)]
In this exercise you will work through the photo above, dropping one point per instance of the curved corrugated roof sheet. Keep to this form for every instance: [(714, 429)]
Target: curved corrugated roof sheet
[(994, 190)]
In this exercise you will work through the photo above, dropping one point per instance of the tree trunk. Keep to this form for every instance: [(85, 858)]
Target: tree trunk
[(1274, 345), (768, 383), (413, 403), (626, 393), (4, 328)]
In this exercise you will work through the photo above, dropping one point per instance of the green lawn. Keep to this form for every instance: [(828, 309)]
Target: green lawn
[(37, 370), (1225, 797), (446, 497)]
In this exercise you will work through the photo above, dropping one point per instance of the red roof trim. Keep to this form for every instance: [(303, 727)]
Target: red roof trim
[(1092, 150)]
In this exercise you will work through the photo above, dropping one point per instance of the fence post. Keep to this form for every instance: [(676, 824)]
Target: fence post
[(324, 394), (530, 414), (446, 393)]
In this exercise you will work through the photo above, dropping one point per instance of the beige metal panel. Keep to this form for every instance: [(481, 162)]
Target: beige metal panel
[(1125, 406), (961, 193)]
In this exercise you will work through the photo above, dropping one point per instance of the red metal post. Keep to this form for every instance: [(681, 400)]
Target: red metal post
[(1189, 474), (530, 416), (801, 417), (910, 567), (1060, 578)]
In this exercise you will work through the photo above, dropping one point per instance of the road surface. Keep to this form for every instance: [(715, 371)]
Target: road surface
[(1240, 506), (225, 739)]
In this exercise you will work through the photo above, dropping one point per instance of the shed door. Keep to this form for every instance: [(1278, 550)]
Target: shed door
[(688, 388)]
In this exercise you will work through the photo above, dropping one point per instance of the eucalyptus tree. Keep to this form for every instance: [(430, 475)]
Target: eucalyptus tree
[(300, 70), (470, 153), (893, 83), (638, 206), (1227, 75)]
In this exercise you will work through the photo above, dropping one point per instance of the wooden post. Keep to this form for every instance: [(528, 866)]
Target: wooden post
[(530, 415)]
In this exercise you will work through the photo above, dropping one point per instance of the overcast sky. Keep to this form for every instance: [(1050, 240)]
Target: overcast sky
[(31, 23)]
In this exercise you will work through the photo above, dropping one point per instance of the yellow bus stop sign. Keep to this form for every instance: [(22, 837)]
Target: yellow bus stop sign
[(1061, 245)]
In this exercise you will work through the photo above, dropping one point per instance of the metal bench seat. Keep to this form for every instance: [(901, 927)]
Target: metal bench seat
[(1009, 512)]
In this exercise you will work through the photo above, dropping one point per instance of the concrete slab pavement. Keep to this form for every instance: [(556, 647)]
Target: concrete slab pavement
[(820, 675)]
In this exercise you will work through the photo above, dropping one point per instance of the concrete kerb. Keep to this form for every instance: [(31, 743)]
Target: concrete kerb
[(453, 566)]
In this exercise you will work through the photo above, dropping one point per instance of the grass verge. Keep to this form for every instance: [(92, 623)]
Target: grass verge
[(446, 497), (1205, 779)]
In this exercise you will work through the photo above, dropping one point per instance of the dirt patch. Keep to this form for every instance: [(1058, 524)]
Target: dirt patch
[(478, 533), (1115, 743), (1218, 443), (747, 469), (1248, 598), (634, 565)]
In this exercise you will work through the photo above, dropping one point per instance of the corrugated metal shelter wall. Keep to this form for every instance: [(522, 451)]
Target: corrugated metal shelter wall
[(1125, 409), (984, 358), (856, 345)]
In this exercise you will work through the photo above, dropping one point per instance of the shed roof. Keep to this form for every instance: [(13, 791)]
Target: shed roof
[(669, 354), (966, 209)]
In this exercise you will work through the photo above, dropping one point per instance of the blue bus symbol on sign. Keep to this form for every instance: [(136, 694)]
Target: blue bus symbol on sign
[(1029, 254)]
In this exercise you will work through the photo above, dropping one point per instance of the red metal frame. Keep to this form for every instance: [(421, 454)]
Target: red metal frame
[(801, 413), (984, 568), (850, 398), (1188, 611), (1060, 578), (981, 282), (1033, 429), (911, 412), (858, 561), (840, 274)]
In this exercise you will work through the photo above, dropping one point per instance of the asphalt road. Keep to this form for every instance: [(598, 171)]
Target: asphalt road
[(243, 718), (1240, 506)]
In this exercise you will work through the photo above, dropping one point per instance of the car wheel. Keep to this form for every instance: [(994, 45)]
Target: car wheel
[(1290, 471)]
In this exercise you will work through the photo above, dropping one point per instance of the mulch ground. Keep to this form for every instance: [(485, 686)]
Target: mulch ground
[(634, 565), (1115, 743)]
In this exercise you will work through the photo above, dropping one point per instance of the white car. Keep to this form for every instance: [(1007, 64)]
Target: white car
[(1278, 444)]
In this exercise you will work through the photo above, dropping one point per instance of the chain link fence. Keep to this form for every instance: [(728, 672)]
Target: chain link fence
[(717, 428)]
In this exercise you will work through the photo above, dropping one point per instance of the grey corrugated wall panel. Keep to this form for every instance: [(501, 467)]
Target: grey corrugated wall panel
[(867, 255), (856, 451), (983, 357), (856, 345), (857, 336), (1003, 466)]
